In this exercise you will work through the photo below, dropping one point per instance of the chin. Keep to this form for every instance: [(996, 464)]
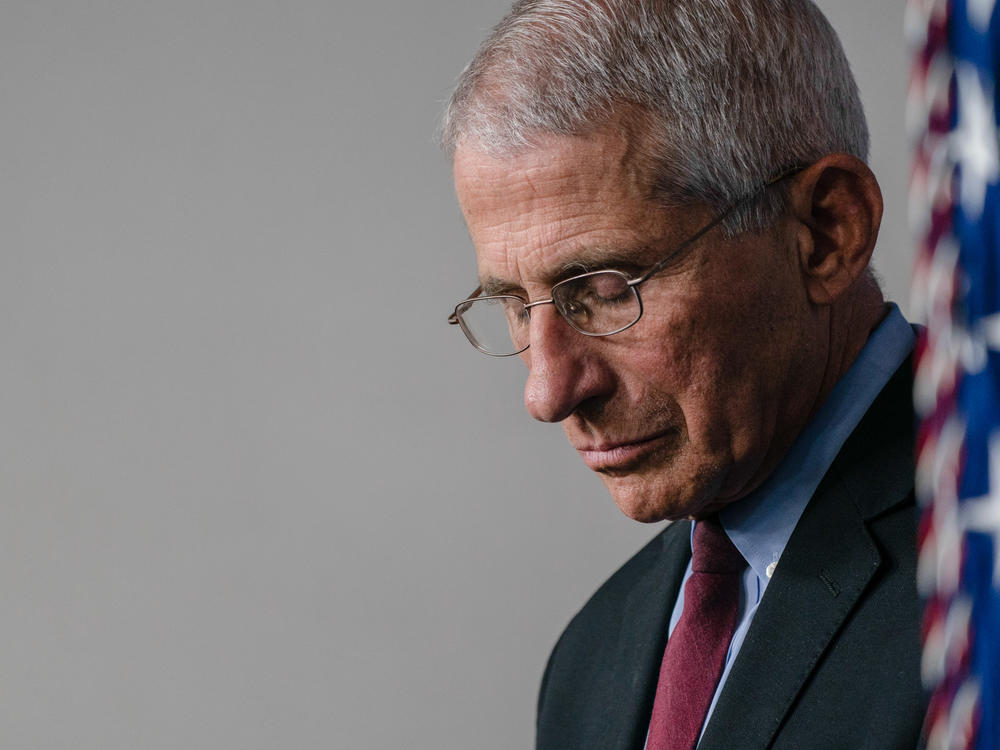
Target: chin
[(644, 513), (646, 500), (647, 506)]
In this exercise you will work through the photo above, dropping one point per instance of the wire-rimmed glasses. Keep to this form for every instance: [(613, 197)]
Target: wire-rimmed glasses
[(597, 303)]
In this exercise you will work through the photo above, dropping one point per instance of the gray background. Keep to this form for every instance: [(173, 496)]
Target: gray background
[(254, 493)]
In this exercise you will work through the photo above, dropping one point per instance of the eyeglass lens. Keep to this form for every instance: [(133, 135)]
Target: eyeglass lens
[(596, 304)]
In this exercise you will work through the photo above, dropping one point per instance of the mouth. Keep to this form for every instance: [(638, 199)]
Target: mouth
[(622, 457)]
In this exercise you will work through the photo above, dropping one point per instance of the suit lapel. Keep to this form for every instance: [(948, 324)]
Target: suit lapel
[(641, 640), (823, 572)]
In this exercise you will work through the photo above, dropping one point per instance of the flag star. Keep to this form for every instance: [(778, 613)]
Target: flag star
[(989, 327), (982, 514), (981, 340), (974, 142), (980, 13)]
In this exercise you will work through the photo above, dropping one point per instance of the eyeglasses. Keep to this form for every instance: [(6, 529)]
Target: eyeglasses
[(598, 303)]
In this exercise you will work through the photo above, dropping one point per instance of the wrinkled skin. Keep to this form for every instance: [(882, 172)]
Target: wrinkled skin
[(695, 405)]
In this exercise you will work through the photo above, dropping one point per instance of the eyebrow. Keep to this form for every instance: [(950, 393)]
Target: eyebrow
[(602, 259), (626, 260)]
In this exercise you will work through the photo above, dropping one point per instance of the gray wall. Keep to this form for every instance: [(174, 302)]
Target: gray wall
[(254, 493)]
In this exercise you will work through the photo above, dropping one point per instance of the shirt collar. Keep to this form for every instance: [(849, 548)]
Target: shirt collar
[(761, 523)]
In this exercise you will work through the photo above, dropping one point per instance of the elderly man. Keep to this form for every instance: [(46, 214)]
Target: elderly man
[(673, 221)]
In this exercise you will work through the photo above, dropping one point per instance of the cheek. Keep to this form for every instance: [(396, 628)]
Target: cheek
[(728, 331), (708, 367), (657, 372), (688, 351)]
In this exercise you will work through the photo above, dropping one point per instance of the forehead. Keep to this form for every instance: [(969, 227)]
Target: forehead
[(585, 164), (569, 200)]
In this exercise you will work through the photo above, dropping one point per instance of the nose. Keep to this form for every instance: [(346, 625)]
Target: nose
[(565, 368)]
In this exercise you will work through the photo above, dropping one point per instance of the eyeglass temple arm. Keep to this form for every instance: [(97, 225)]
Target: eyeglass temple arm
[(453, 318), (723, 215)]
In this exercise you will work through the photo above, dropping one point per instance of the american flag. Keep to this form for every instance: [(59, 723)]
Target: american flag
[(955, 216)]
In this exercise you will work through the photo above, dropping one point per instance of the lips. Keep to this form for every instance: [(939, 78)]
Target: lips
[(621, 456)]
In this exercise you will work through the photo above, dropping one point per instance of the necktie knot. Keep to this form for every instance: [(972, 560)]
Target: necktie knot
[(712, 551)]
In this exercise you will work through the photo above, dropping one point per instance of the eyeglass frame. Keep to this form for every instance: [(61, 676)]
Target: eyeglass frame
[(454, 319)]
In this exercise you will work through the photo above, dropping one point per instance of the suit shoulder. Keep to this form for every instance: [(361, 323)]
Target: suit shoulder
[(607, 653), (654, 572)]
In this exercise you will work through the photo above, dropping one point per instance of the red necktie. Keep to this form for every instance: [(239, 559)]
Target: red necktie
[(696, 651)]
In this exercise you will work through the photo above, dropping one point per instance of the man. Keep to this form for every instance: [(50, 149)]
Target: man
[(673, 221)]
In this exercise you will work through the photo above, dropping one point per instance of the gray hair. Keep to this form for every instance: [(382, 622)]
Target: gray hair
[(725, 93)]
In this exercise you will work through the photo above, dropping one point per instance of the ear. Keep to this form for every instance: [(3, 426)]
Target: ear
[(838, 205)]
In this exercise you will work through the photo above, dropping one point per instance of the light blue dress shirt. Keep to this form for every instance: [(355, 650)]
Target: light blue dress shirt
[(761, 523)]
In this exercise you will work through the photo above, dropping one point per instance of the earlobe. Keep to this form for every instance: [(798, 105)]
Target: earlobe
[(838, 204)]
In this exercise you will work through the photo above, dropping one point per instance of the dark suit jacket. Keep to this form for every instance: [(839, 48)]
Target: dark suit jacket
[(832, 656)]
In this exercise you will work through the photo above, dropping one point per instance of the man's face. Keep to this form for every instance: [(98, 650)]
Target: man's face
[(695, 404)]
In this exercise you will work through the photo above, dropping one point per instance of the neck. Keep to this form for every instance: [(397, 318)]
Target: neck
[(852, 319)]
